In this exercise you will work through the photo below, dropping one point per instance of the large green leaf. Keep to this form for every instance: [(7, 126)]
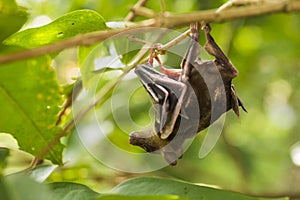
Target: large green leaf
[(21, 187), (12, 18), (30, 99), (159, 186), (68, 25), (74, 191)]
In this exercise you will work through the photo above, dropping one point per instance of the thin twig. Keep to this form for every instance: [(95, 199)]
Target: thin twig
[(143, 11), (173, 42), (135, 39), (162, 6), (130, 17), (164, 20), (162, 48)]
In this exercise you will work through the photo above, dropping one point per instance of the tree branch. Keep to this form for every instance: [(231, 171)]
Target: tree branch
[(165, 20), (209, 16)]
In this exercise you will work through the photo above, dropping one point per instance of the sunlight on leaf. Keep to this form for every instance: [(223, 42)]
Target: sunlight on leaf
[(68, 25)]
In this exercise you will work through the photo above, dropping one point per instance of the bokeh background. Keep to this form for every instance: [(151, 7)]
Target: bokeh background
[(258, 154)]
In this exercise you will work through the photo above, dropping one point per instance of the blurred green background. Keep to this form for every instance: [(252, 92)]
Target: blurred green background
[(258, 154)]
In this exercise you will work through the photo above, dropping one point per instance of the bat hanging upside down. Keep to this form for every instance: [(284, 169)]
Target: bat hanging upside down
[(189, 100)]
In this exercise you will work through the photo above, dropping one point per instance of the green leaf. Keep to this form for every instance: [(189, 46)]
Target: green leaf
[(21, 187), (65, 191), (158, 186), (68, 25), (4, 153), (75, 191), (72, 191), (30, 100), (148, 197), (12, 18)]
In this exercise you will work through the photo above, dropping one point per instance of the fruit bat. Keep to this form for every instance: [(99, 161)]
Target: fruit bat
[(188, 100)]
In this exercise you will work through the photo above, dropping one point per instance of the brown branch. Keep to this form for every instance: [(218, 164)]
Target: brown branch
[(209, 16), (232, 3), (162, 20)]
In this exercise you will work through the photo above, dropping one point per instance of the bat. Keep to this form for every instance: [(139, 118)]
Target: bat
[(188, 100)]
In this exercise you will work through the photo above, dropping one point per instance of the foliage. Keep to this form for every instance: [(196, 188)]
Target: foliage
[(259, 155), (19, 186)]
